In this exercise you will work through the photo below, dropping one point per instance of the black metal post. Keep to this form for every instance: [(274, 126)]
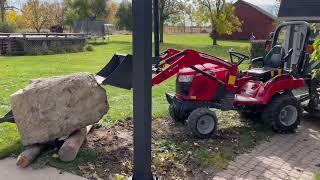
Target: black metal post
[(156, 31), (142, 70)]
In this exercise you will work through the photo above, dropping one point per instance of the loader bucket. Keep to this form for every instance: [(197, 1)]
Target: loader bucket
[(8, 118), (118, 72)]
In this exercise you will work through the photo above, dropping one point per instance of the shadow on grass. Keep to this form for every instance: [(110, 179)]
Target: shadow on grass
[(14, 148), (9, 140)]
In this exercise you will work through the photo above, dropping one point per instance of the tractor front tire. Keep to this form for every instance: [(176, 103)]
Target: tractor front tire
[(283, 114), (175, 115), (202, 123)]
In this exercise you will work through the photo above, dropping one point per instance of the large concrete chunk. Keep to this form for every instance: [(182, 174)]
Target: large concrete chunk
[(55, 107)]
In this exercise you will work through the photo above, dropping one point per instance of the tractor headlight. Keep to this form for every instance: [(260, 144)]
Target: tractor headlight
[(185, 78)]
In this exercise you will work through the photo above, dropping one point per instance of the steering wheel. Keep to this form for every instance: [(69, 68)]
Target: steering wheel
[(241, 57)]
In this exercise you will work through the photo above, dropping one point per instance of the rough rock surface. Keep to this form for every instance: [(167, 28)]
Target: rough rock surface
[(51, 108)]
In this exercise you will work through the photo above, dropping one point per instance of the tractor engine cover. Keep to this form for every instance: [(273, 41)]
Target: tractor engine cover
[(191, 85)]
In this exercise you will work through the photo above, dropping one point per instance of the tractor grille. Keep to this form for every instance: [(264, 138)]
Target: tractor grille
[(182, 88)]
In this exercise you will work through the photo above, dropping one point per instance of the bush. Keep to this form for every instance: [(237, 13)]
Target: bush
[(257, 48), (316, 53), (316, 57), (7, 28), (60, 51), (80, 49), (89, 48), (72, 50), (39, 52), (50, 52)]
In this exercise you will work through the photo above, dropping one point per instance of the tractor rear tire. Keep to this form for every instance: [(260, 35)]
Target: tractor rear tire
[(283, 114), (202, 122), (175, 115)]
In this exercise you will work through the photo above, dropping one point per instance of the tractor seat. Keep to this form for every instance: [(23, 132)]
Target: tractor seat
[(272, 62)]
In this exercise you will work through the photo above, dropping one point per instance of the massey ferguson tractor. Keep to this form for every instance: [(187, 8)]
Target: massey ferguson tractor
[(205, 82)]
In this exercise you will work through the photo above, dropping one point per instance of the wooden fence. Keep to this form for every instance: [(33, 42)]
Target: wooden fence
[(186, 29)]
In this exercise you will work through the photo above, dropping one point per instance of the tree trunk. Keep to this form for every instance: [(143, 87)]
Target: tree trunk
[(29, 155), (161, 27), (70, 148), (213, 36), (214, 41)]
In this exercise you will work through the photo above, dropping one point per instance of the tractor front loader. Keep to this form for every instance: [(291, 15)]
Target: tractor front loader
[(205, 82)]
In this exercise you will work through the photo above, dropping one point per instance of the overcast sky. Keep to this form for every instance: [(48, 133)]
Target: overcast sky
[(262, 2)]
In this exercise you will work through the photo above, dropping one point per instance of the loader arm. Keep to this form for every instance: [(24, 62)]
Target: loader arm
[(118, 72), (189, 58)]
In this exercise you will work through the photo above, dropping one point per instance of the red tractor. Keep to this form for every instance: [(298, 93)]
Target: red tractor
[(205, 82)]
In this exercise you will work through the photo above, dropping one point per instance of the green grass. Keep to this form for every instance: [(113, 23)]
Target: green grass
[(317, 177), (17, 71)]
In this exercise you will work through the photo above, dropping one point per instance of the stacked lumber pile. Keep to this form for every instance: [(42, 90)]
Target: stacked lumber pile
[(53, 108)]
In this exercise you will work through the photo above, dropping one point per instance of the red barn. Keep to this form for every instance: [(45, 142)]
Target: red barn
[(255, 21)]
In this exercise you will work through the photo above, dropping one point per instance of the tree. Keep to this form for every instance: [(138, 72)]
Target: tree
[(11, 16), (3, 10), (36, 14), (220, 14), (57, 12), (83, 9), (167, 10), (98, 8), (184, 16), (124, 15), (70, 14), (112, 8)]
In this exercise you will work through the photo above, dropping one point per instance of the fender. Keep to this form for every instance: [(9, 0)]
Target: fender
[(277, 85)]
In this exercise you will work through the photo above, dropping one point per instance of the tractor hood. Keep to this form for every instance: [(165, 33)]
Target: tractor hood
[(208, 67)]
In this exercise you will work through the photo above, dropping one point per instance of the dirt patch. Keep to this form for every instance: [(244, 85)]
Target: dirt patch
[(176, 154), (114, 147)]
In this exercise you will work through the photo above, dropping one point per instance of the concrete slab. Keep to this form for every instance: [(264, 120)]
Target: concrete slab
[(10, 171)]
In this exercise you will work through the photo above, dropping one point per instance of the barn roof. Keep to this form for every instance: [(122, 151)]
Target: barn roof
[(257, 8), (308, 10)]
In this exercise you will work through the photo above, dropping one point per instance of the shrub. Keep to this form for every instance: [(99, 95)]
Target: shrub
[(72, 50), (257, 48), (50, 52), (89, 48), (60, 51), (38, 52), (316, 53), (7, 28), (80, 49), (316, 57)]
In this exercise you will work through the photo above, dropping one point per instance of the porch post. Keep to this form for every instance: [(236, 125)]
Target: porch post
[(142, 70)]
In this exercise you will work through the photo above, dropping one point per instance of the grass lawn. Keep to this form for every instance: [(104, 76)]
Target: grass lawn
[(170, 144), (17, 71)]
